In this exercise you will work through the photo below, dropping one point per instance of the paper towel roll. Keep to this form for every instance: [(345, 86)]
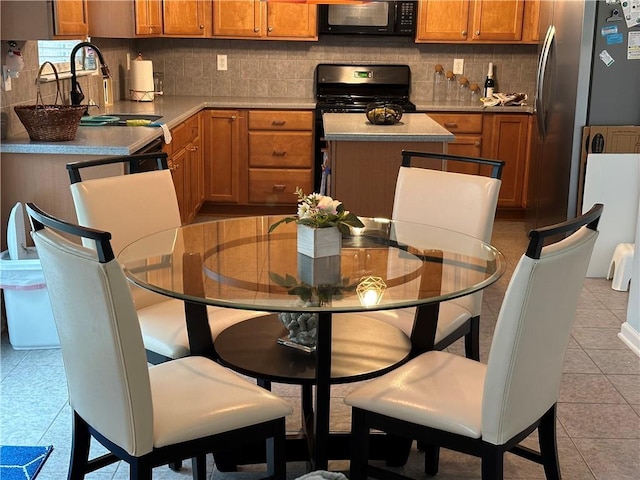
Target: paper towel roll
[(142, 80)]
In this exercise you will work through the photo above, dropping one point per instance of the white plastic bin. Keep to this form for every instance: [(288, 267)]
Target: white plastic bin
[(29, 317)]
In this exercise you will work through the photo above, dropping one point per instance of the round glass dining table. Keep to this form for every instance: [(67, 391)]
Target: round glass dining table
[(237, 263)]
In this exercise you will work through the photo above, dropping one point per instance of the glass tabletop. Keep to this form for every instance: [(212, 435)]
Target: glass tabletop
[(237, 263)]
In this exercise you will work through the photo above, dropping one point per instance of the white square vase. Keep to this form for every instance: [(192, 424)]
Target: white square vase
[(319, 242), (319, 271)]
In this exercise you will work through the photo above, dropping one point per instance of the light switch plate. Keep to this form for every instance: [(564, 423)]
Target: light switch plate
[(458, 66)]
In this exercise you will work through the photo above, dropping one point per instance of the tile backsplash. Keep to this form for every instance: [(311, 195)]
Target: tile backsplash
[(273, 68)]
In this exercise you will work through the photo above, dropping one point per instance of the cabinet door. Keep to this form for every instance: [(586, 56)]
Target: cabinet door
[(507, 137), (148, 17), (238, 18), (497, 20), (178, 168), (295, 20), (70, 17), (224, 155), (184, 17), (442, 21)]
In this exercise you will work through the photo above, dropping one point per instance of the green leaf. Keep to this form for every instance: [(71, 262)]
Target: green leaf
[(280, 222)]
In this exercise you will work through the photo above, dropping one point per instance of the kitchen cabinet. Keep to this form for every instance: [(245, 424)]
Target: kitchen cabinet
[(150, 18), (186, 163), (508, 138), (225, 156), (264, 20), (42, 20), (280, 155), (468, 131), (476, 21), (497, 136), (255, 159)]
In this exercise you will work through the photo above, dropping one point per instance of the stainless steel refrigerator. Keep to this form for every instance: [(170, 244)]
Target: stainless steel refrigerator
[(574, 89)]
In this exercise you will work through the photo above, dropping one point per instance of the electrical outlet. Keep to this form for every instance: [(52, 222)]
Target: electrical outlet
[(222, 62), (458, 66), (6, 79), (128, 61)]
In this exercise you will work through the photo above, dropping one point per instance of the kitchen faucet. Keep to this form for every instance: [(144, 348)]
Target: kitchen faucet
[(76, 91)]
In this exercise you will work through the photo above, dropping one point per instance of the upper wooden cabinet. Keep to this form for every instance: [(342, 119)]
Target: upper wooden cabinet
[(42, 20), (264, 20), (155, 18), (148, 17), (475, 21), (185, 18)]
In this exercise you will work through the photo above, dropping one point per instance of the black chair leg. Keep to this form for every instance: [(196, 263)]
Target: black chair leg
[(548, 444), (276, 452), (431, 458), (199, 467), (472, 340), (359, 445), (140, 469), (492, 462), (80, 444)]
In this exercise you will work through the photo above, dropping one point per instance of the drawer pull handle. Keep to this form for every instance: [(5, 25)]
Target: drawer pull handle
[(192, 148), (279, 153), (278, 123), (279, 188), (451, 124)]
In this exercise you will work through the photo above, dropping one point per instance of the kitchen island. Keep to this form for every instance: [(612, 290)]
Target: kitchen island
[(365, 158)]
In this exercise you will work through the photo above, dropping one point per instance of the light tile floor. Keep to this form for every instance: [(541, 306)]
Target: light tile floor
[(598, 413)]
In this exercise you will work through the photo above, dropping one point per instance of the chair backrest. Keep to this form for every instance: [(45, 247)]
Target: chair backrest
[(530, 339), (102, 349), (129, 206), (455, 201)]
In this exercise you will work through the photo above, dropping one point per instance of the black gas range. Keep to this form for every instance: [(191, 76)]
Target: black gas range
[(344, 88)]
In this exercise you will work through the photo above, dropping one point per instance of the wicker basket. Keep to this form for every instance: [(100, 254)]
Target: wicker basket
[(50, 123)]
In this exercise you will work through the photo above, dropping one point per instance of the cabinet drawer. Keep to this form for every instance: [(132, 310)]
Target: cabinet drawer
[(280, 120), (184, 133), (459, 123), (280, 149), (277, 186)]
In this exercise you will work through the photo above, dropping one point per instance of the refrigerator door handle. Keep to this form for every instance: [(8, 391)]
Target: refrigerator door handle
[(541, 104)]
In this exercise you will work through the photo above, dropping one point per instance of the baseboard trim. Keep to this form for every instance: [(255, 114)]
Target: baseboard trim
[(630, 337)]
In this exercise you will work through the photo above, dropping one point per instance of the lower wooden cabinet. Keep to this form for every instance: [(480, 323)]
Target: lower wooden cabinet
[(257, 158), (186, 162), (498, 136)]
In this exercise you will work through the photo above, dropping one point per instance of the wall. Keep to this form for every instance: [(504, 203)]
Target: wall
[(280, 69)]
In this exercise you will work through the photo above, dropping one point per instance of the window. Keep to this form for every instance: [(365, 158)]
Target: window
[(58, 52)]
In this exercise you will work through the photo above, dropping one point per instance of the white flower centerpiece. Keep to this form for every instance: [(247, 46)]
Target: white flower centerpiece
[(321, 222)]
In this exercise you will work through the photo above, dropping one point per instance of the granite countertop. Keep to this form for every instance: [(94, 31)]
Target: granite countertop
[(116, 140), (413, 127)]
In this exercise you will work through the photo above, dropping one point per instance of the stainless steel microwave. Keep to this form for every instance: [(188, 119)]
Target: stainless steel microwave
[(369, 18)]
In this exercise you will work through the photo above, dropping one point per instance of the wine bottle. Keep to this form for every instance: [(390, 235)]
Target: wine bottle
[(489, 83)]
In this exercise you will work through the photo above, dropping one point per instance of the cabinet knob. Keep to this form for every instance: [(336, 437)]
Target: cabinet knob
[(279, 153), (279, 188), (192, 148), (477, 33), (233, 118), (464, 33), (270, 29), (477, 143), (201, 26), (256, 29)]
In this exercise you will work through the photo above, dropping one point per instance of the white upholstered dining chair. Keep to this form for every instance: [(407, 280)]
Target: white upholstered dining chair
[(130, 207), (445, 400), (435, 193), (146, 416)]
